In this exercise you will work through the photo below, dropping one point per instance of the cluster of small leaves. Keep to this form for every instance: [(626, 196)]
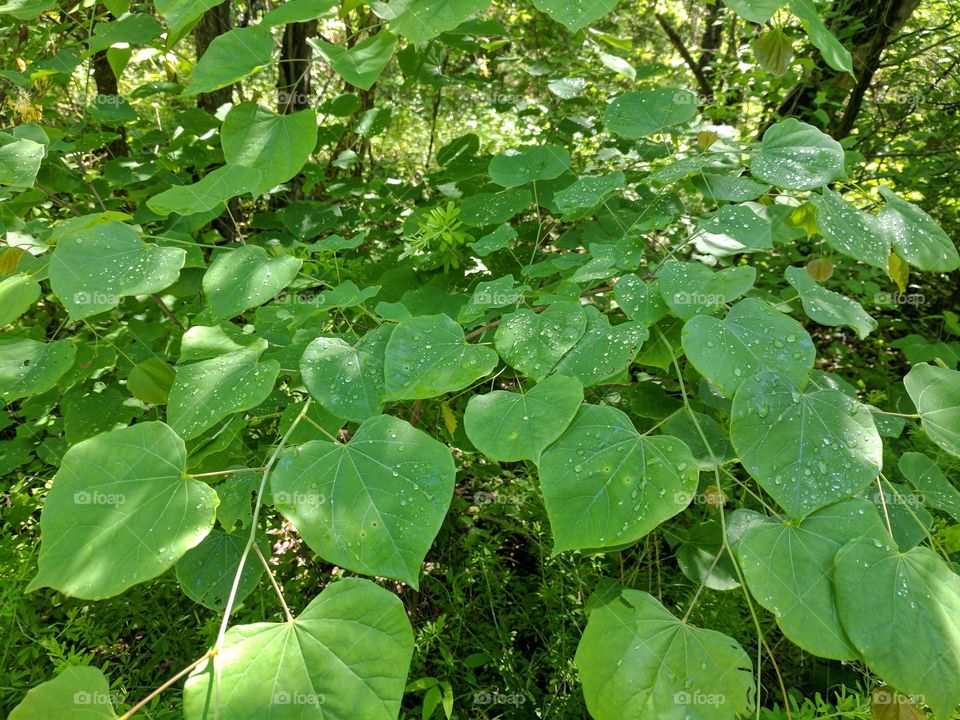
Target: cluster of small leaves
[(574, 370)]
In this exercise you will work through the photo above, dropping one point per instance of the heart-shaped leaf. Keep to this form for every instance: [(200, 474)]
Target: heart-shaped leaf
[(797, 156), (527, 164), (635, 115), (807, 448), (509, 426), (244, 277), (96, 263), (347, 380), (421, 20), (788, 568), (428, 356), (373, 505), (346, 656), (851, 231), (205, 392), (827, 307), (928, 479), (361, 64), (120, 511), (636, 660), (80, 691), (640, 300), (604, 350), (29, 367), (753, 337), (915, 236), (691, 288), (206, 573), (575, 16), (936, 393), (534, 343), (605, 485), (231, 57), (902, 613)]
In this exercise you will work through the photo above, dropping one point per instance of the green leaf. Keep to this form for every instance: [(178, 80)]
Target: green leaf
[(20, 162), (735, 229), (636, 660), (807, 448), (927, 478), (499, 239), (485, 209), (606, 485), (205, 392), (834, 53), (508, 427), (29, 367), (851, 231), (902, 613), (755, 11), (347, 380), (422, 20), (916, 237), (789, 566), (936, 393), (752, 338), (209, 192), (348, 653), (94, 265), (77, 692), (151, 380), (181, 14), (534, 343), (773, 49), (604, 350), (26, 9), (276, 146), (827, 307), (575, 15), (640, 300), (131, 29), (231, 57), (121, 511), (427, 356), (691, 288), (634, 115), (373, 505), (294, 11), (529, 163), (206, 572), (362, 64), (18, 293), (244, 277), (796, 156), (587, 193)]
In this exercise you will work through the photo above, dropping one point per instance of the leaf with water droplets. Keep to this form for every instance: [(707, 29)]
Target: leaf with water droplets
[(428, 356), (576, 14), (605, 485), (635, 115), (901, 611), (936, 393), (849, 230), (245, 277), (509, 426), (827, 307), (928, 479), (807, 448), (788, 569), (534, 343), (345, 656), (735, 229), (915, 236), (205, 392), (753, 337), (96, 263), (640, 300), (529, 163), (206, 573), (796, 156), (636, 660), (29, 367), (373, 505), (691, 288), (604, 351), (120, 511)]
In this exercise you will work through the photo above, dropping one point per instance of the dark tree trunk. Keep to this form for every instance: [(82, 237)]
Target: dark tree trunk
[(215, 21), (293, 70), (106, 83), (867, 26)]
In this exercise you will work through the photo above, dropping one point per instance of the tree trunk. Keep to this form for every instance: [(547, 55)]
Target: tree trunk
[(106, 83), (215, 21), (293, 70), (867, 26)]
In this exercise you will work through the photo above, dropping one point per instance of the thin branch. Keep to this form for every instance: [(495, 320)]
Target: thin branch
[(705, 88)]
